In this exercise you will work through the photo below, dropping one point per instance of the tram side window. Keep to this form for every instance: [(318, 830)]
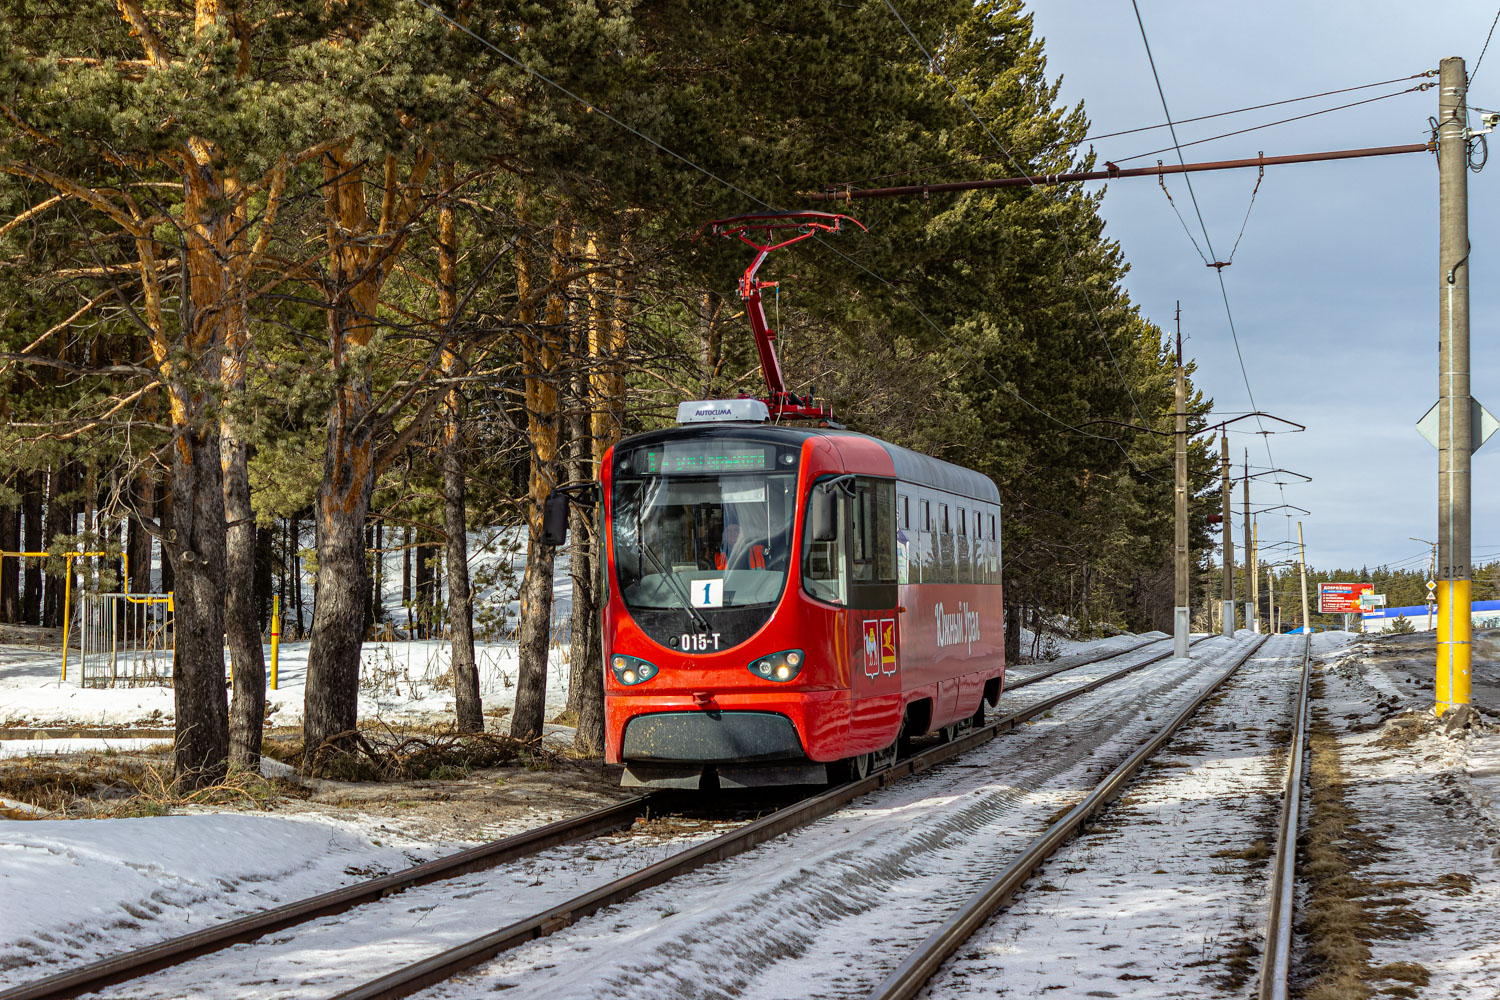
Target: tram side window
[(873, 544), (825, 567), (947, 560)]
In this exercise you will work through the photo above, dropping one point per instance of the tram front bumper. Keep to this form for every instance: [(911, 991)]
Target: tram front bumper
[(705, 737)]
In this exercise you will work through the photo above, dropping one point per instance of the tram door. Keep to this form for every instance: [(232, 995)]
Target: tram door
[(872, 591)]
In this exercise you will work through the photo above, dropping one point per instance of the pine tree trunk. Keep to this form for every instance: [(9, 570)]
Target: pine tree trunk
[(10, 567), (164, 495), (265, 561), (379, 584), (138, 539), (467, 706), (469, 709), (583, 626), (1012, 633), (331, 701), (247, 708), (422, 584), (371, 564), (59, 518), (406, 575), (197, 553), (541, 349), (31, 512), (294, 529), (608, 326)]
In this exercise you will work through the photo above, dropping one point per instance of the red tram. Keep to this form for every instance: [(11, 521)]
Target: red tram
[(783, 604)]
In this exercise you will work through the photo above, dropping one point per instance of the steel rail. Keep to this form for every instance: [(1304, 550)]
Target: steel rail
[(912, 975), (174, 951), (437, 968), (1276, 957), (1033, 678)]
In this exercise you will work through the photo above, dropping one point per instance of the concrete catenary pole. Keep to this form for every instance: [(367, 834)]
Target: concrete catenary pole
[(1455, 435), (1253, 562), (1180, 608), (1302, 569), (1250, 615), (1226, 488), (1271, 598)]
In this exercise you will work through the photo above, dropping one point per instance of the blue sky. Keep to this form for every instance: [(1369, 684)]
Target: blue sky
[(1334, 286)]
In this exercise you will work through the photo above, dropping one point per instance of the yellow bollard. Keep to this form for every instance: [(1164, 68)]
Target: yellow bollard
[(1454, 630), (275, 636)]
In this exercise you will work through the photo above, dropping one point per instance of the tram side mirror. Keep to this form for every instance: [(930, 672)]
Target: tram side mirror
[(824, 512), (555, 519)]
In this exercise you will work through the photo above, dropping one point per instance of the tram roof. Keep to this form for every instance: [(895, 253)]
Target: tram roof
[(910, 466)]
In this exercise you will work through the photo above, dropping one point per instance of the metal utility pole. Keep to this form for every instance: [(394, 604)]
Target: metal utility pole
[(1109, 173), (1252, 570), (1250, 615), (1455, 433), (1431, 576), (1228, 494), (1180, 609), (1302, 568)]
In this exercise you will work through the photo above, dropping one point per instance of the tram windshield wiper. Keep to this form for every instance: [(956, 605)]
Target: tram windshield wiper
[(677, 588)]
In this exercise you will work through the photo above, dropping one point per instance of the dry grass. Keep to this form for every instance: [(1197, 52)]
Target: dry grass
[(110, 786), (413, 753), (1346, 911), (1258, 851)]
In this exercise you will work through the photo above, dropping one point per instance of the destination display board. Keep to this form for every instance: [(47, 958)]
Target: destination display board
[(1342, 598), (696, 457)]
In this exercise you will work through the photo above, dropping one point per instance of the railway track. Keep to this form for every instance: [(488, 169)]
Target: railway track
[(176, 951), (1276, 956), (920, 967)]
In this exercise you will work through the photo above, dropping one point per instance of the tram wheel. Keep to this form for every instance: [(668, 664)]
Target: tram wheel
[(849, 769)]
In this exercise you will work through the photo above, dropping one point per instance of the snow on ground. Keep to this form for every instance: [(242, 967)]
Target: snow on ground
[(860, 877), (1146, 903), (1432, 798), (830, 909), (79, 890), (399, 682), (85, 744)]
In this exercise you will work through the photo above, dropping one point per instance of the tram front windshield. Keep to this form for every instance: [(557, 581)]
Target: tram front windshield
[(684, 539)]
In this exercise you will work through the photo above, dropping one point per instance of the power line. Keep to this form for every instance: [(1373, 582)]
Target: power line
[(764, 204), (1480, 60), (913, 171), (1283, 121), (1223, 291)]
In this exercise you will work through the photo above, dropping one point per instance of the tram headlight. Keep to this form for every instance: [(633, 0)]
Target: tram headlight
[(781, 667), (629, 670)]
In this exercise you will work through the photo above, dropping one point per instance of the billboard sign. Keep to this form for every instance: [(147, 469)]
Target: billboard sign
[(1342, 598)]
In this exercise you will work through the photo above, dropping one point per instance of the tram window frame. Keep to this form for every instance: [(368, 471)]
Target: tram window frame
[(924, 513), (828, 584), (872, 544)]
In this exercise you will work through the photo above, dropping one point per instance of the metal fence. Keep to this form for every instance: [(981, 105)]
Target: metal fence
[(125, 640)]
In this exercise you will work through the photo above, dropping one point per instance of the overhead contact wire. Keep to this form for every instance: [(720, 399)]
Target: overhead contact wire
[(1223, 291), (1151, 128)]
